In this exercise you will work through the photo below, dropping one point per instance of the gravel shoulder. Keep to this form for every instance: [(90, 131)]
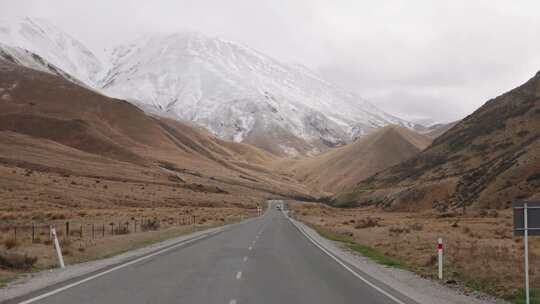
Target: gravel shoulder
[(422, 290)]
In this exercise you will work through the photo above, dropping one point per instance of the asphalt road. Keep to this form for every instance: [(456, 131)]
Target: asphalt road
[(266, 260)]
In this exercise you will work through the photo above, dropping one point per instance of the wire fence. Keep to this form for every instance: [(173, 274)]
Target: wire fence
[(41, 232)]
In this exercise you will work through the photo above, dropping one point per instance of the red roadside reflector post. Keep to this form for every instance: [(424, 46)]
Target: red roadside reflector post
[(440, 257)]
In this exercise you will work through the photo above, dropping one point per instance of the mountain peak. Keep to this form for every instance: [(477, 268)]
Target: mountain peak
[(236, 92), (43, 38), (239, 93)]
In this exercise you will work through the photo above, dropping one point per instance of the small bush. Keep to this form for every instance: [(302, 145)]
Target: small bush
[(150, 225), (65, 243), (493, 213), (398, 230), (367, 223), (121, 230), (416, 227), (58, 216), (16, 261), (10, 243)]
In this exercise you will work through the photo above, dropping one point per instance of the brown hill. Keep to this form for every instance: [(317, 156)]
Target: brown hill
[(63, 136), (341, 168), (489, 159)]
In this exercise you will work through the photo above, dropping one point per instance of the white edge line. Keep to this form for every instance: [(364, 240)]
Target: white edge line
[(53, 292), (345, 266)]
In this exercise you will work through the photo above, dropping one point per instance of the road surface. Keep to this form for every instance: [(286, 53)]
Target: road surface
[(265, 260)]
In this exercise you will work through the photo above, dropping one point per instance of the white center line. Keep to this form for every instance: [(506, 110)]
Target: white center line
[(239, 275), (233, 301), (250, 248), (245, 259)]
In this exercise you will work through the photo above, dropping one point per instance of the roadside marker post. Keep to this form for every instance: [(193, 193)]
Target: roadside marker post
[(57, 247), (440, 257), (526, 223)]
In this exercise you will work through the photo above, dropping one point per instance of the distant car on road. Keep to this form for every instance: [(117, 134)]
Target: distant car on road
[(278, 207)]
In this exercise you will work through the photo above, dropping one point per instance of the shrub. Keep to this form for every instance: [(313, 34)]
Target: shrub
[(416, 227), (367, 223), (10, 243), (65, 243), (398, 230), (150, 225), (16, 261), (122, 230)]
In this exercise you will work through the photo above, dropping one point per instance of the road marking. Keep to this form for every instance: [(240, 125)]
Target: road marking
[(245, 259), (233, 301), (250, 248), (239, 275), (53, 292), (398, 301)]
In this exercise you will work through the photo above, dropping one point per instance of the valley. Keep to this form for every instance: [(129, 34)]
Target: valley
[(178, 134)]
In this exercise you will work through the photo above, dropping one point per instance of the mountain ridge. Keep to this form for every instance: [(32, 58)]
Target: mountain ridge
[(236, 92), (341, 168), (488, 160)]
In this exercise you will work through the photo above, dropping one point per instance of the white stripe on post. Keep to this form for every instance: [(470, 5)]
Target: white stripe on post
[(57, 246), (440, 254)]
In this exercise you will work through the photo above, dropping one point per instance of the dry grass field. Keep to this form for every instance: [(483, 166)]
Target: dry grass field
[(480, 250)]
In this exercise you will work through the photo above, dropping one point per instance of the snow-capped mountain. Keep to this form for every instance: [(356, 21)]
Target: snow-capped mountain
[(52, 44), (239, 93), (31, 60), (234, 91)]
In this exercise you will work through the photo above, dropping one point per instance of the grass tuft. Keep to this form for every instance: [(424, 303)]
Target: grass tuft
[(375, 255), (519, 297), (367, 251)]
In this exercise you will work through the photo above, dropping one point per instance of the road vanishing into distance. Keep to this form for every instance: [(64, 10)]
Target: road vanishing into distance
[(263, 260)]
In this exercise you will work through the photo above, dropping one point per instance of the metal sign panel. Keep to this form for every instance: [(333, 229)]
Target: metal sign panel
[(533, 218)]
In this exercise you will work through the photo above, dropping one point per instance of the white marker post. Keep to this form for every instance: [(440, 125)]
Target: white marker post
[(57, 246), (440, 254), (526, 240)]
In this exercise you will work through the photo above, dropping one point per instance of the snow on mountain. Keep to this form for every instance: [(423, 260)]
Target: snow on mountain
[(239, 93), (234, 91), (34, 61), (53, 45)]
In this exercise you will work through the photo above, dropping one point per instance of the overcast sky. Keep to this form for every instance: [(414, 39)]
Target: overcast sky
[(412, 58)]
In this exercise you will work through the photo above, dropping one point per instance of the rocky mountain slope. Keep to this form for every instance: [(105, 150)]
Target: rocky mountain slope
[(489, 159), (54, 45), (31, 60), (61, 131), (234, 91), (240, 94), (340, 169)]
